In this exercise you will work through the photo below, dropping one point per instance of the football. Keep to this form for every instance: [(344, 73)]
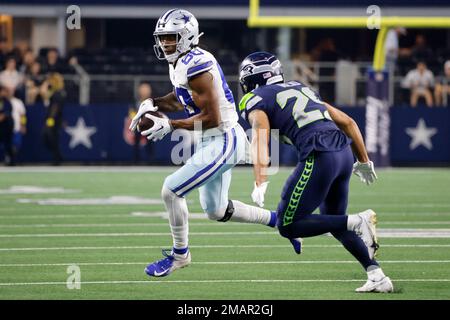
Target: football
[(146, 123)]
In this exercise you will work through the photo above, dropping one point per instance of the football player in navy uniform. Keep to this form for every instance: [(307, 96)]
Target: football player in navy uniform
[(324, 138)]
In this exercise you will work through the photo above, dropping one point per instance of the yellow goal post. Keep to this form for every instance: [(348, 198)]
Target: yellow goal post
[(384, 23)]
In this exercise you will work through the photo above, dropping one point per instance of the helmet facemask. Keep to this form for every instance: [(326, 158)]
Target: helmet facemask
[(159, 47)]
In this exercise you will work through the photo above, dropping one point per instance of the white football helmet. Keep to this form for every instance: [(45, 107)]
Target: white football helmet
[(181, 23)]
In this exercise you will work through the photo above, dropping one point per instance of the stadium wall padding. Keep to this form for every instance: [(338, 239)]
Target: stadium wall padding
[(418, 136)]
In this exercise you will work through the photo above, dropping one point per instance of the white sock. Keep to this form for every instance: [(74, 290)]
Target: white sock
[(375, 274), (251, 214), (178, 217), (353, 222)]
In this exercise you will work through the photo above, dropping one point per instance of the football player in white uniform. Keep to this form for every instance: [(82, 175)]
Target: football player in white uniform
[(201, 90)]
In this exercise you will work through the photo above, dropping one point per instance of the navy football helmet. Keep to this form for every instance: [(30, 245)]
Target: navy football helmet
[(259, 69)]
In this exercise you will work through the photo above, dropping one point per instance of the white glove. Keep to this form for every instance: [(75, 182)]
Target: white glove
[(258, 193), (365, 172), (160, 128), (146, 106)]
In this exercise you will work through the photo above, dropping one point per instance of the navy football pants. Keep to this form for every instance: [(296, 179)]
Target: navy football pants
[(322, 180)]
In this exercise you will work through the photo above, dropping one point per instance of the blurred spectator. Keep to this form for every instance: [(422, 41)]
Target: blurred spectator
[(53, 62), (442, 88), (52, 92), (420, 51), (6, 126), (10, 77), (420, 81), (19, 119), (32, 84), (4, 52), (27, 62), (391, 45), (144, 92), (326, 51), (19, 51)]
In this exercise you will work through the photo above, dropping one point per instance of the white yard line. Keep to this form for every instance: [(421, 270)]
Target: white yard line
[(165, 224), (139, 215), (130, 234), (142, 215), (6, 265), (391, 233), (107, 225), (409, 204), (414, 222), (65, 216), (149, 282), (258, 246)]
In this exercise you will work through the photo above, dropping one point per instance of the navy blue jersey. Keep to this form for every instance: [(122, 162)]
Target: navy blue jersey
[(300, 116)]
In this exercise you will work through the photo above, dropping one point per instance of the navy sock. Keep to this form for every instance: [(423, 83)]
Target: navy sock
[(273, 219), (356, 246), (180, 251)]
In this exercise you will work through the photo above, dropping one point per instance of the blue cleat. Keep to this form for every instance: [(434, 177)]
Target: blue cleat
[(167, 265), (297, 244)]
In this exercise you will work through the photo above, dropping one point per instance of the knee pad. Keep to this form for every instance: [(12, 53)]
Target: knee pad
[(222, 215)]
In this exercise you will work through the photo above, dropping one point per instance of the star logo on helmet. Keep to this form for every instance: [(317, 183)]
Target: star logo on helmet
[(185, 18)]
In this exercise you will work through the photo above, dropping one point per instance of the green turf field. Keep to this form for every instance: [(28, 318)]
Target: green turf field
[(112, 243)]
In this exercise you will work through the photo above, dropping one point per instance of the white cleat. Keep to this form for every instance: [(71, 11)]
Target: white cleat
[(383, 286), (367, 231)]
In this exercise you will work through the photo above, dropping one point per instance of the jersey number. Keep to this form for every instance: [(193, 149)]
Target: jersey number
[(301, 100), (194, 52)]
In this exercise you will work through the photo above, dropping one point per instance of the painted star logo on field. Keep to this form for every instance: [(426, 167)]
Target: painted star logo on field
[(421, 135), (80, 134)]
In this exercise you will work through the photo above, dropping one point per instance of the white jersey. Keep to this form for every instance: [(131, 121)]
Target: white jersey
[(193, 63)]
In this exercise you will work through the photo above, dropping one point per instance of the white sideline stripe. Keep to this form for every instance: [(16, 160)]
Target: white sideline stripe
[(78, 169), (216, 263), (217, 247), (391, 233), (10, 284), (114, 169), (164, 224)]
